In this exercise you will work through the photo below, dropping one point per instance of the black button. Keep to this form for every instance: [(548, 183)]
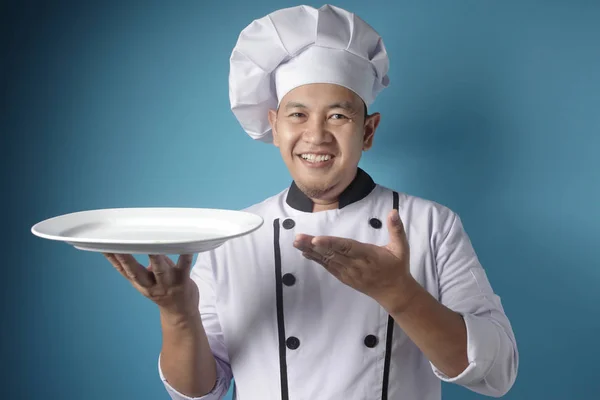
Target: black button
[(292, 343), (288, 280), (289, 223), (375, 223), (371, 341)]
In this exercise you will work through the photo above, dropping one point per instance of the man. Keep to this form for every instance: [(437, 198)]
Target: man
[(349, 290)]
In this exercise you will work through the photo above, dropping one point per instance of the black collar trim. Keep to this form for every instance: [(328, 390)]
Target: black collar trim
[(358, 189)]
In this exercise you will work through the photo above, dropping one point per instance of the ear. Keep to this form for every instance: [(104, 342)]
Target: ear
[(273, 122), (371, 124)]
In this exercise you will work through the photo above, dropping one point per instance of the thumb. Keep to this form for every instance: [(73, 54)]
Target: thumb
[(398, 243)]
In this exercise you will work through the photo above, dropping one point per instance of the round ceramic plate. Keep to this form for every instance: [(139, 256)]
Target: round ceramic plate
[(148, 230)]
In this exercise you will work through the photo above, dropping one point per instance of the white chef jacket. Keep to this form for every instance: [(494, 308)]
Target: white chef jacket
[(285, 328)]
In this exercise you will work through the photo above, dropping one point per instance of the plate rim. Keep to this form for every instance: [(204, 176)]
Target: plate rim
[(35, 228)]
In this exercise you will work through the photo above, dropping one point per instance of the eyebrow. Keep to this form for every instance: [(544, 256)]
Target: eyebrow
[(345, 105), (293, 104)]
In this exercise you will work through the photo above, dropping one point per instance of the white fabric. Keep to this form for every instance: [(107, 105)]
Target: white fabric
[(297, 46), (325, 66), (238, 307), (221, 386)]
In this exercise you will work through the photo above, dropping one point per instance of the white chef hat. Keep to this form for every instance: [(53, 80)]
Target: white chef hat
[(297, 46)]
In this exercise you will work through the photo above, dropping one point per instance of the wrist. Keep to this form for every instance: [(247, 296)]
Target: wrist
[(401, 296), (179, 320)]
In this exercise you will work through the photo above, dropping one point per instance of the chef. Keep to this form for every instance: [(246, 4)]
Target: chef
[(349, 290)]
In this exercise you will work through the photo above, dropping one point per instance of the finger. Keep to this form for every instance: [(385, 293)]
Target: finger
[(116, 264), (330, 259), (333, 268), (111, 259), (303, 241), (398, 240), (316, 257), (135, 271), (347, 247), (162, 267), (169, 262), (167, 259), (184, 262)]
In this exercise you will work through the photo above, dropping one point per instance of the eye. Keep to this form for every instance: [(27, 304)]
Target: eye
[(296, 115), (339, 116)]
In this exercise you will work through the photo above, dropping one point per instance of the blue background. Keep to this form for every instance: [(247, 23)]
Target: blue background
[(493, 110)]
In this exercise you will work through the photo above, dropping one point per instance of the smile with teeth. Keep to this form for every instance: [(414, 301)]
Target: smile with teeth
[(315, 158)]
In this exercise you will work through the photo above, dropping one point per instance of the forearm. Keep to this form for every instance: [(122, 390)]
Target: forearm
[(439, 332), (186, 361)]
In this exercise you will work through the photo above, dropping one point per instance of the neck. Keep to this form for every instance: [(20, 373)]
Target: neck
[(319, 205), (331, 199)]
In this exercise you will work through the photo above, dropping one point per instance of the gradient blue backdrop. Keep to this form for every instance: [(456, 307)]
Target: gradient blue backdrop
[(493, 110)]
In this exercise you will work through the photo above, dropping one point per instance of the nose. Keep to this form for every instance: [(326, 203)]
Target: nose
[(316, 132)]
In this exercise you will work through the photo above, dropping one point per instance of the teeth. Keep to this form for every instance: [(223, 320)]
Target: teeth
[(315, 158)]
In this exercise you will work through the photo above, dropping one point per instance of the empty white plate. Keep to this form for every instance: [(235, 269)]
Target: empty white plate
[(148, 230)]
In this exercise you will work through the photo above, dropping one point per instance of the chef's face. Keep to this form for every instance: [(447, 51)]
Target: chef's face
[(321, 131)]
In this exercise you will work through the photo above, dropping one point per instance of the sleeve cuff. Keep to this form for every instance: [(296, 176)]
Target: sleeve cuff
[(217, 393), (482, 346)]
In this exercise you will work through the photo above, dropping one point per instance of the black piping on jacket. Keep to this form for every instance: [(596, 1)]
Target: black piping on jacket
[(358, 189)]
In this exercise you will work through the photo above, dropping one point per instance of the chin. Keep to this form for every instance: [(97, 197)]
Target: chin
[(316, 188)]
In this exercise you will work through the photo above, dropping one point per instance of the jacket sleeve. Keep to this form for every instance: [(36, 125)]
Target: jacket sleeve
[(464, 288), (202, 275)]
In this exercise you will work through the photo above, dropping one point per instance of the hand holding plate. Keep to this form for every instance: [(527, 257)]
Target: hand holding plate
[(165, 283)]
